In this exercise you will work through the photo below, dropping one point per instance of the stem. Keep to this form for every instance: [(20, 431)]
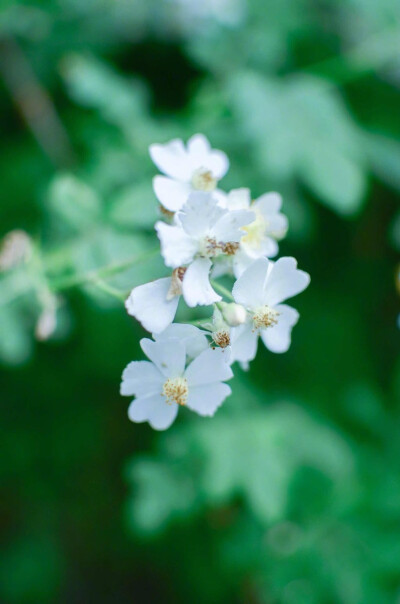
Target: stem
[(34, 103), (111, 291), (24, 283), (222, 290), (102, 273), (204, 323)]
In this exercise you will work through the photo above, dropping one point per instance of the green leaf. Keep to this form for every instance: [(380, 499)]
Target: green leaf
[(135, 207), (337, 180), (254, 455), (74, 202), (15, 341), (301, 129), (384, 157)]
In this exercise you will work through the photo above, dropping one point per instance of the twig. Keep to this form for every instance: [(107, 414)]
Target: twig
[(34, 103)]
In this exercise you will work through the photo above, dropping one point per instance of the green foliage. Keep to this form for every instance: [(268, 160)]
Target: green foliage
[(253, 455), (289, 495), (309, 135)]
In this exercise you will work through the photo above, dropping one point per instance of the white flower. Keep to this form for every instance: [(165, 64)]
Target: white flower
[(194, 339), (195, 168), (234, 314), (260, 238), (155, 304), (203, 231), (164, 383), (261, 289)]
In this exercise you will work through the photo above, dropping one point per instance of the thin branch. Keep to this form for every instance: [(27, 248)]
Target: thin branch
[(34, 103)]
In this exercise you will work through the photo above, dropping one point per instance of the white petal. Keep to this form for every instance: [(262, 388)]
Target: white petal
[(278, 225), (148, 304), (141, 378), (238, 199), (206, 399), (284, 281), (172, 159), (198, 146), (200, 213), (220, 196), (153, 409), (171, 193), (222, 266), (249, 289), (228, 226), (241, 261), (266, 247), (218, 163), (244, 343), (209, 367), (177, 247), (196, 287), (193, 338), (202, 156), (269, 203), (277, 338), (169, 356)]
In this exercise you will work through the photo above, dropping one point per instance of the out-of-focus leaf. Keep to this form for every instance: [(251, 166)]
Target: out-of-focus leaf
[(384, 157), (74, 202), (301, 129), (164, 492), (254, 456), (94, 84), (15, 340), (334, 177), (135, 207)]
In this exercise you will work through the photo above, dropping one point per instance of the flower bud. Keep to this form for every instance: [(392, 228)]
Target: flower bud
[(234, 314), (16, 248), (46, 324)]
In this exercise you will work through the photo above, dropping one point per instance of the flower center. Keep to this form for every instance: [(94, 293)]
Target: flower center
[(221, 337), (203, 180), (265, 316), (176, 391), (255, 232), (209, 247)]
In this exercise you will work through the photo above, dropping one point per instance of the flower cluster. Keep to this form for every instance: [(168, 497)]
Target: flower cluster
[(206, 234)]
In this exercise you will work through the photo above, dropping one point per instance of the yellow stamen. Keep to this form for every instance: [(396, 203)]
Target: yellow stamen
[(176, 390), (265, 316)]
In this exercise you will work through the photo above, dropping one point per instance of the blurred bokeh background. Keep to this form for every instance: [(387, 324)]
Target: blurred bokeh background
[(291, 493)]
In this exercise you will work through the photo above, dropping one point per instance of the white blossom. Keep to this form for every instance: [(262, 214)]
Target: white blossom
[(194, 168), (261, 289), (203, 231), (164, 383), (234, 314), (194, 338), (261, 235), (155, 304)]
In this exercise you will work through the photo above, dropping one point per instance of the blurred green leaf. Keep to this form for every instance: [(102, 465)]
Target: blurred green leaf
[(74, 202), (300, 128), (135, 207), (15, 340), (254, 456), (384, 155)]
